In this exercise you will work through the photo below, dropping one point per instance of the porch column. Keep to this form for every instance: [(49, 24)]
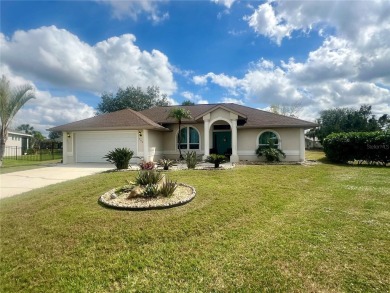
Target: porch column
[(301, 145), (234, 157), (206, 120), (64, 147), (145, 135)]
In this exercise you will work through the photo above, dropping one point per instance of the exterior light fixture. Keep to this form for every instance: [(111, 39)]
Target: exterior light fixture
[(140, 133)]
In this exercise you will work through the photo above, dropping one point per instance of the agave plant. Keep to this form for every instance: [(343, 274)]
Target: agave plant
[(147, 177)]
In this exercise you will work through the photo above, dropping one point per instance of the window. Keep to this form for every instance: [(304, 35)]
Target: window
[(268, 136), (189, 138)]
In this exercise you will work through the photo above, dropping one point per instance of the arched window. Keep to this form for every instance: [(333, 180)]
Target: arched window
[(189, 138), (268, 137)]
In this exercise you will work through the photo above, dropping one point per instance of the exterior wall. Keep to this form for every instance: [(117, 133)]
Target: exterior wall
[(14, 140), (289, 140), (169, 147), (156, 145), (68, 148)]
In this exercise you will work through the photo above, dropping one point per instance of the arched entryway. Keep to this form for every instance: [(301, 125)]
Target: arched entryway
[(221, 138)]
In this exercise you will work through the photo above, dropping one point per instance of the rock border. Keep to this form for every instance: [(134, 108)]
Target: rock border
[(142, 204)]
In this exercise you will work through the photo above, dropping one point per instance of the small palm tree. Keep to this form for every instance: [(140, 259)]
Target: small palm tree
[(11, 100), (179, 114)]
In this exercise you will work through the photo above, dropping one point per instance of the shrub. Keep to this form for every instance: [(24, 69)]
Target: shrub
[(151, 190), (370, 147), (120, 157), (191, 159), (147, 165), (271, 152), (165, 163), (168, 188), (216, 159), (147, 177)]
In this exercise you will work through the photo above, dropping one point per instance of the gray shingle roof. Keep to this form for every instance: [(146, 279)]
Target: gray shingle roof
[(254, 118), (153, 118), (123, 119)]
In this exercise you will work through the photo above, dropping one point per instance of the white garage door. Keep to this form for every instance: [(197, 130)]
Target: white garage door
[(92, 146)]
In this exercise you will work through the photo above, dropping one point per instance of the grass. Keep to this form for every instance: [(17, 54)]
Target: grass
[(12, 165), (269, 228)]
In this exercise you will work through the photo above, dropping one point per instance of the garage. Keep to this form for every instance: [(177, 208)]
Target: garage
[(92, 146)]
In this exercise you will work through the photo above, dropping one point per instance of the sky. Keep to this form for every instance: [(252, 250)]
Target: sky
[(315, 54)]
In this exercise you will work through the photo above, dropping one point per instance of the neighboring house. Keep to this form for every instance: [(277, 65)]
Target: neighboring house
[(229, 129), (17, 143), (313, 144)]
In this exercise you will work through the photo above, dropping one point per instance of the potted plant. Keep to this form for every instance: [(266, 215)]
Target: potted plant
[(216, 159), (165, 163)]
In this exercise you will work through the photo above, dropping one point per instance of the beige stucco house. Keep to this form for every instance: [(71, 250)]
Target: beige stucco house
[(230, 129)]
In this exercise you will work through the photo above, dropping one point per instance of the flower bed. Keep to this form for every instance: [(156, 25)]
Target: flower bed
[(183, 194)]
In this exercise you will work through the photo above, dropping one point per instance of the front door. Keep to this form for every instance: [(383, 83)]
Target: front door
[(222, 142)]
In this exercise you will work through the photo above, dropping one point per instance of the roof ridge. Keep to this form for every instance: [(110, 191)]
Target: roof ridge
[(143, 117)]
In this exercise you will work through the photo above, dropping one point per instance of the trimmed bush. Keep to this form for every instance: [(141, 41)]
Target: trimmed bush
[(271, 152), (120, 157), (369, 147)]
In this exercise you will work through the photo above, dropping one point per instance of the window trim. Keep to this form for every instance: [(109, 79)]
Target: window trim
[(279, 145), (187, 143)]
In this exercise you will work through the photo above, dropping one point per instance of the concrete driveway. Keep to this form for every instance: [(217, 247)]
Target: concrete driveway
[(18, 182)]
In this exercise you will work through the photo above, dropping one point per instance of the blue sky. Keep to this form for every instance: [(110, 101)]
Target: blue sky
[(315, 54)]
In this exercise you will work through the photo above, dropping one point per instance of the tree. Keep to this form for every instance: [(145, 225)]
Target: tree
[(54, 135), (179, 114), (26, 128), (348, 120), (11, 100), (132, 97), (187, 103), (287, 110), (37, 139)]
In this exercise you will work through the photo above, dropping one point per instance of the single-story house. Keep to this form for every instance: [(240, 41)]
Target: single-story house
[(313, 144), (225, 128), (17, 143)]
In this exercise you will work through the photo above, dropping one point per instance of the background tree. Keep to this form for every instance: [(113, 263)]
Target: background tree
[(11, 100), (37, 139), (287, 110), (348, 120), (55, 135), (179, 114), (187, 103), (132, 97), (26, 128)]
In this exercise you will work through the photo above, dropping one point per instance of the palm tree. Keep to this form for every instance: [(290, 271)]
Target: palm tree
[(11, 100), (179, 114)]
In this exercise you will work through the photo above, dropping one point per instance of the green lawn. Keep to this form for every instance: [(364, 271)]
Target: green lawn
[(12, 165), (268, 228)]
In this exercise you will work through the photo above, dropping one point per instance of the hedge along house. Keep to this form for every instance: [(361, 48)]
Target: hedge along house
[(229, 129)]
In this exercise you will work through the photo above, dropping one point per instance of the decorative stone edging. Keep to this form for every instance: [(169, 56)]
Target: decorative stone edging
[(182, 195)]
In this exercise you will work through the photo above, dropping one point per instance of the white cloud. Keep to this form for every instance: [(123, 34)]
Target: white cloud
[(350, 68), (58, 57), (232, 100), (265, 22), (46, 110), (197, 99), (226, 3), (123, 9)]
